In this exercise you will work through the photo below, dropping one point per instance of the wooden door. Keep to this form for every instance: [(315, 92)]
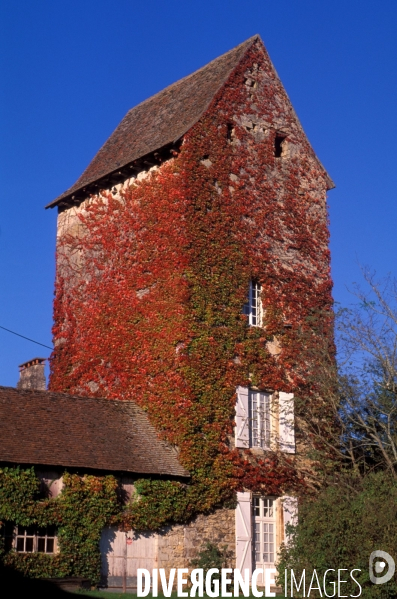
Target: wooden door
[(124, 553)]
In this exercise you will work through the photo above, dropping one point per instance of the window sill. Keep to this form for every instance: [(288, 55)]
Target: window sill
[(258, 451)]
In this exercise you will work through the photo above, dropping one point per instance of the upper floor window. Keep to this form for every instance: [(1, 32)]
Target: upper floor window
[(264, 420), (259, 404), (253, 306)]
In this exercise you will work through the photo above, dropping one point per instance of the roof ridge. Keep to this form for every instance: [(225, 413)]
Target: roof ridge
[(186, 77), (156, 121), (71, 396)]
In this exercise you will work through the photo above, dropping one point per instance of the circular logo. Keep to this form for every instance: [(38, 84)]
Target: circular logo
[(379, 566)]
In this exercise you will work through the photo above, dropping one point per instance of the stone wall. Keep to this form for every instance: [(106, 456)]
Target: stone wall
[(32, 376), (178, 545)]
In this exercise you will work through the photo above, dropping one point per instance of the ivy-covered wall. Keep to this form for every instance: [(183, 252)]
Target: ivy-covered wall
[(79, 513), (151, 283)]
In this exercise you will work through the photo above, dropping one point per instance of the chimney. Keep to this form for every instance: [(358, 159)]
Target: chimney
[(31, 375)]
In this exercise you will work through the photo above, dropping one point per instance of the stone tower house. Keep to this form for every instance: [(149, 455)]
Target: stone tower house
[(192, 257)]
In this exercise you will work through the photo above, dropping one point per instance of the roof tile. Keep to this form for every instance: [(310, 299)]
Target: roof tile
[(160, 120), (56, 429)]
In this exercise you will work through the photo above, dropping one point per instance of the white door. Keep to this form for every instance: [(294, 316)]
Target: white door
[(264, 525), (123, 553)]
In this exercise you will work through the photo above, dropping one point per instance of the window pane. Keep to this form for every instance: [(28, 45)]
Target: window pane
[(8, 529), (268, 542), (260, 419), (50, 545), (268, 508), (20, 544), (254, 304), (41, 545), (257, 541), (29, 544), (265, 508), (252, 308)]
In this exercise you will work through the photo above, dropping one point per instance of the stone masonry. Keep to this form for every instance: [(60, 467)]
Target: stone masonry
[(179, 545)]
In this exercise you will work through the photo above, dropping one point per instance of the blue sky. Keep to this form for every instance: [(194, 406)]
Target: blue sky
[(71, 70)]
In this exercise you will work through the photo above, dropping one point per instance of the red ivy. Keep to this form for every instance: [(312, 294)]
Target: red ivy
[(149, 299)]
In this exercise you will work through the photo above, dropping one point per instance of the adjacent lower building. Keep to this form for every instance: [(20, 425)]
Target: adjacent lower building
[(56, 433)]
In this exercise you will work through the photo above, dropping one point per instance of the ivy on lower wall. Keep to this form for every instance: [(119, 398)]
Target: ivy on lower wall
[(85, 506)]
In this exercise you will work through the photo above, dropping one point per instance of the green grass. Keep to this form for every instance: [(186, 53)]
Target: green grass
[(109, 595)]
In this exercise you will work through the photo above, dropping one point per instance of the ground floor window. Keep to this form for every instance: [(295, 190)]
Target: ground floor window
[(264, 523), (29, 539)]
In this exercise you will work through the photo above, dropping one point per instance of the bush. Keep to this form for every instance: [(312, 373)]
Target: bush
[(341, 528), (212, 556)]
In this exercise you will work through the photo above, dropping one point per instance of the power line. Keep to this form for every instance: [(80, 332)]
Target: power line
[(23, 337)]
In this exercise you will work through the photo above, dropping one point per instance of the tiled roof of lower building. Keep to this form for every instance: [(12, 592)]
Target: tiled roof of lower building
[(56, 429)]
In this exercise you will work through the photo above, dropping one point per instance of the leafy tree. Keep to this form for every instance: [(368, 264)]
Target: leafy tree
[(340, 528), (354, 509)]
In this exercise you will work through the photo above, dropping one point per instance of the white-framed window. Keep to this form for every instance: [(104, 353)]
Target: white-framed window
[(264, 422), (253, 306), (264, 523), (30, 539), (260, 421)]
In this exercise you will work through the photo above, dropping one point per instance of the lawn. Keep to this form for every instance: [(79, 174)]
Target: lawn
[(110, 595)]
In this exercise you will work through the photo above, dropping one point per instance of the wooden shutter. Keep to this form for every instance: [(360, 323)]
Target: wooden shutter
[(244, 532), (286, 422), (290, 513), (242, 418)]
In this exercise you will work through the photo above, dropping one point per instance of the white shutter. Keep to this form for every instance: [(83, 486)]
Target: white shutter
[(242, 418), (290, 513), (287, 422), (244, 532)]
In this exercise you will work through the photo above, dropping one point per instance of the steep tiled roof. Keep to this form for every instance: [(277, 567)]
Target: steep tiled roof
[(160, 120), (55, 429)]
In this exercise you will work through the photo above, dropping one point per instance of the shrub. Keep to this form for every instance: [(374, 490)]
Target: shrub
[(212, 556), (341, 528)]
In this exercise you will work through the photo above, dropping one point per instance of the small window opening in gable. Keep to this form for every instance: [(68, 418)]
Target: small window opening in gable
[(206, 160), (278, 145), (230, 132), (250, 82)]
